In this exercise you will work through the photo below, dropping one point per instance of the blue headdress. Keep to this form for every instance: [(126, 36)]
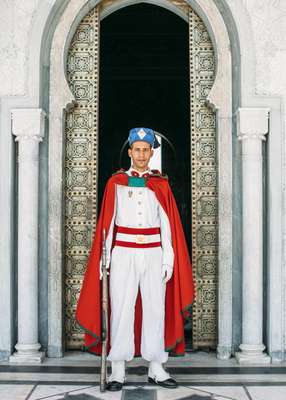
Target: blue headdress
[(147, 135), (143, 134)]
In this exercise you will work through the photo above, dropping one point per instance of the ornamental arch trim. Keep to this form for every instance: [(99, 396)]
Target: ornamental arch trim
[(61, 98)]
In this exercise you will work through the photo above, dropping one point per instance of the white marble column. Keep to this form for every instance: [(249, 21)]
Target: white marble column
[(252, 128), (28, 127)]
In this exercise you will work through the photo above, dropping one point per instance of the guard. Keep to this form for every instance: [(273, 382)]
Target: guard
[(151, 284)]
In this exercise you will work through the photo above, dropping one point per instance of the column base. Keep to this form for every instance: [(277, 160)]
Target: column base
[(55, 351), (252, 354), (36, 358), (277, 357), (27, 353), (223, 352)]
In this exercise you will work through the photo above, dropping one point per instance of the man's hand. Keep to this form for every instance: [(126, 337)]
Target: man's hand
[(167, 272), (100, 268)]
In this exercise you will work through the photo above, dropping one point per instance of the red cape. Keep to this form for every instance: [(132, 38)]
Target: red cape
[(179, 290)]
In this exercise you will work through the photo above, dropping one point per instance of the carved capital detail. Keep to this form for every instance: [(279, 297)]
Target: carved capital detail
[(253, 123), (28, 124)]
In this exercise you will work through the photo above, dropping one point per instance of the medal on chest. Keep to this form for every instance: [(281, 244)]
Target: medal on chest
[(134, 181)]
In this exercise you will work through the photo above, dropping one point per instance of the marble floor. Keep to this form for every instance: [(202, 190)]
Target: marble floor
[(81, 392), (200, 376)]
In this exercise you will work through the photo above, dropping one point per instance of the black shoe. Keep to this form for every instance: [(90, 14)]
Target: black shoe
[(114, 386), (167, 383)]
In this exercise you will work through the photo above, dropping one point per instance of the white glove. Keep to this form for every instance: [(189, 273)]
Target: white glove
[(167, 272), (100, 268)]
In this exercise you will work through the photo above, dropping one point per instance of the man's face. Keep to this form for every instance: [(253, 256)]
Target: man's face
[(140, 152)]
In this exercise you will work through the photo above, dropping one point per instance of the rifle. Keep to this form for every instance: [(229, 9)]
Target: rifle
[(104, 317)]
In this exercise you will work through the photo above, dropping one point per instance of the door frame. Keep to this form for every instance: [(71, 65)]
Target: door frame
[(61, 99)]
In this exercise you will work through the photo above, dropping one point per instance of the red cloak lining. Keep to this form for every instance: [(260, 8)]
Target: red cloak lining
[(179, 290)]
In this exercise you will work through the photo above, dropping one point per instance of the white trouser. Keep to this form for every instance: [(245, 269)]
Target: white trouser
[(132, 268)]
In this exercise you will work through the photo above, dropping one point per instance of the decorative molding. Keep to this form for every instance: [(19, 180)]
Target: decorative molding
[(252, 136), (28, 123), (220, 97), (253, 123)]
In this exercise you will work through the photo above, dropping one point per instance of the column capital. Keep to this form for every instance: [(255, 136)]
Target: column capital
[(252, 123), (28, 123)]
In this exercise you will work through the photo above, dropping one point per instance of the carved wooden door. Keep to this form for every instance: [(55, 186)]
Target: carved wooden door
[(80, 202)]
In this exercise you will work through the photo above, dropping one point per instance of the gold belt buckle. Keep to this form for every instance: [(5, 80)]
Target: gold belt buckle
[(140, 239)]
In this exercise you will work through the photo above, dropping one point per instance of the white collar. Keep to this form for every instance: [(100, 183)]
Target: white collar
[(140, 173)]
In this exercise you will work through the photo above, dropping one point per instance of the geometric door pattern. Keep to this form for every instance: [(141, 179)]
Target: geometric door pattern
[(81, 173), (204, 184), (81, 165)]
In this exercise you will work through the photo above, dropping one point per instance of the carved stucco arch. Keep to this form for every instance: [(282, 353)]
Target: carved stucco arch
[(46, 19), (61, 97)]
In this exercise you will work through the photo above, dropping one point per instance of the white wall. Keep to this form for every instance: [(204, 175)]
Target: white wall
[(268, 20), (15, 22), (268, 23)]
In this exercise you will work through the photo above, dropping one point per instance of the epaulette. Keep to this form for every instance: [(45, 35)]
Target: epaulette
[(120, 171), (157, 173)]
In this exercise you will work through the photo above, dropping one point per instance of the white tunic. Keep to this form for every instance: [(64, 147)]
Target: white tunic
[(141, 210), (134, 268)]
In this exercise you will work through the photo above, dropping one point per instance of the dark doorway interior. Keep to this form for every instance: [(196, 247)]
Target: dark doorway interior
[(144, 81)]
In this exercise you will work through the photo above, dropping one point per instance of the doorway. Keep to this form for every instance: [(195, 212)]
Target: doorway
[(156, 70), (144, 81)]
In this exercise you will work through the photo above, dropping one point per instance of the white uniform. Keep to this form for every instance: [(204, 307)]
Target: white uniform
[(134, 268)]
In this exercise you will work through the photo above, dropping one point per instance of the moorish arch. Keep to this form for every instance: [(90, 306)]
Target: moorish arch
[(90, 131), (229, 26), (211, 116)]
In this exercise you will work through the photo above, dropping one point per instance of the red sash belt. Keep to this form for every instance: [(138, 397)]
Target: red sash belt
[(137, 231), (137, 237)]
